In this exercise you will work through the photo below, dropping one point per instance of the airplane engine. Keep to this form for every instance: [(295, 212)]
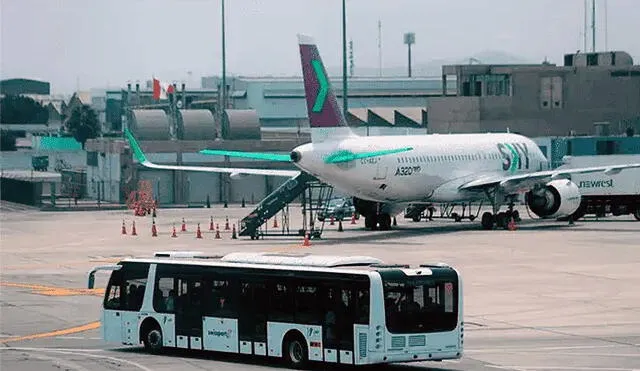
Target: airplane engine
[(557, 199)]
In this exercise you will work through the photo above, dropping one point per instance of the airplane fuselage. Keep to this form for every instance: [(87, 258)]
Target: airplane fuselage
[(431, 172)]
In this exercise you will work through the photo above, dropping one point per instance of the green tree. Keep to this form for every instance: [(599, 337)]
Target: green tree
[(83, 124), (15, 109)]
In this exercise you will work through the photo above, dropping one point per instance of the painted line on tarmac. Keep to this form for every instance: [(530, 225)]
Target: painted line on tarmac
[(560, 368), (624, 355), (538, 349), (62, 264), (68, 331), (79, 352), (54, 291)]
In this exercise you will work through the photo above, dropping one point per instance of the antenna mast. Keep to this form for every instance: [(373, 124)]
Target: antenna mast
[(380, 48), (593, 26), (605, 26), (351, 58), (584, 33)]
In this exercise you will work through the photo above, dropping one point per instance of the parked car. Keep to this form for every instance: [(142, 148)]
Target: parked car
[(339, 208)]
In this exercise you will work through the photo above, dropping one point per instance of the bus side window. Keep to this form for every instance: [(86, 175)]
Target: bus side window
[(282, 308), (307, 305), (113, 299), (220, 301), (362, 306), (135, 283), (164, 299)]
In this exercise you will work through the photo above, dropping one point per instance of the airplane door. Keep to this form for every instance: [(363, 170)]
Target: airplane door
[(381, 171)]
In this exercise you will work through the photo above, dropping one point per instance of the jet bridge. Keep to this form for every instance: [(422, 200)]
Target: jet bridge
[(304, 184)]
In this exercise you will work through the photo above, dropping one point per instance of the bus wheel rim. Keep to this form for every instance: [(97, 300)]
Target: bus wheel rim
[(295, 351), (154, 338)]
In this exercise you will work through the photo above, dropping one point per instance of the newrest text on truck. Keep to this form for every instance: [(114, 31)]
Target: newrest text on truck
[(617, 194)]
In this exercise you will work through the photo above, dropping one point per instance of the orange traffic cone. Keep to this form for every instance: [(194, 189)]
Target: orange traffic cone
[(226, 224), (198, 232), (211, 224), (154, 230), (307, 240), (275, 222), (174, 232), (217, 232), (233, 233), (184, 226), (124, 228), (353, 218), (133, 229)]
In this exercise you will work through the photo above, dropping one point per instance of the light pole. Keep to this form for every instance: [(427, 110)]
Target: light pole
[(224, 69), (409, 39), (344, 58)]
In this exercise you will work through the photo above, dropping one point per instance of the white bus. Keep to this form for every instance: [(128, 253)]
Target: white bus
[(300, 307)]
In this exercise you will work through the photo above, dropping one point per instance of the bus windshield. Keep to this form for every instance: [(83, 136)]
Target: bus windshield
[(420, 304)]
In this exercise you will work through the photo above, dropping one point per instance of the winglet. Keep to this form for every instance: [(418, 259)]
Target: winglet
[(137, 151)]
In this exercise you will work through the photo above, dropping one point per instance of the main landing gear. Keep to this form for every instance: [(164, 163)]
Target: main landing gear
[(378, 222), (499, 219)]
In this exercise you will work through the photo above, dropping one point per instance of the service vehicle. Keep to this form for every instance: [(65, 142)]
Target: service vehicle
[(602, 194), (299, 307), (338, 208)]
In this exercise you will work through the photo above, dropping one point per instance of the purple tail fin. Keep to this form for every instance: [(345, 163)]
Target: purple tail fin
[(322, 105)]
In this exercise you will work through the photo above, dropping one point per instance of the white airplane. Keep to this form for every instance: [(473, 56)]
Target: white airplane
[(386, 173)]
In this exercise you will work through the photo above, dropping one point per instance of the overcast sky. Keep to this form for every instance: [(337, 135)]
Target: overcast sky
[(108, 42)]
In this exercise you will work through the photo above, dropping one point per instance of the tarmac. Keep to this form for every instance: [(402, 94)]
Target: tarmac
[(547, 296)]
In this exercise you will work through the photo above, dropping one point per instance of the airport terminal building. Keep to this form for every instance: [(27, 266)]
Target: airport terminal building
[(589, 105)]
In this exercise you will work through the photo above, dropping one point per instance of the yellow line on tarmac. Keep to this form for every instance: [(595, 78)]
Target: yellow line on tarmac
[(55, 291), (72, 330)]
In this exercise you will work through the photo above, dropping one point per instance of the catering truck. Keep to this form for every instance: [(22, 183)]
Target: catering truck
[(616, 194)]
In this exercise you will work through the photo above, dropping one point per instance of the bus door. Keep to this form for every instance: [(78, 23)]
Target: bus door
[(352, 309), (252, 316), (189, 311), (220, 321)]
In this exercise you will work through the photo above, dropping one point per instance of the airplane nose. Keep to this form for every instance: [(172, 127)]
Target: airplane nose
[(296, 156)]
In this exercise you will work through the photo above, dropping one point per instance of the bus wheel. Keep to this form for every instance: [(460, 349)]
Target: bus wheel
[(153, 340), (636, 214), (295, 351)]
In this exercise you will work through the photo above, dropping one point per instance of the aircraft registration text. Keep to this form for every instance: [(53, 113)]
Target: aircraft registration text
[(369, 161), (407, 170)]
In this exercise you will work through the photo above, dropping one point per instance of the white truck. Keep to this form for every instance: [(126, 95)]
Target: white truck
[(617, 194)]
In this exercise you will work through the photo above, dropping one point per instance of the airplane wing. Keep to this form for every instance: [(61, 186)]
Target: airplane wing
[(254, 155), (140, 156), (514, 183), (334, 158)]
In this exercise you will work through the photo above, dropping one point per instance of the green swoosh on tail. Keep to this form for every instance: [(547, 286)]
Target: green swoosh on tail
[(137, 151), (324, 86)]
